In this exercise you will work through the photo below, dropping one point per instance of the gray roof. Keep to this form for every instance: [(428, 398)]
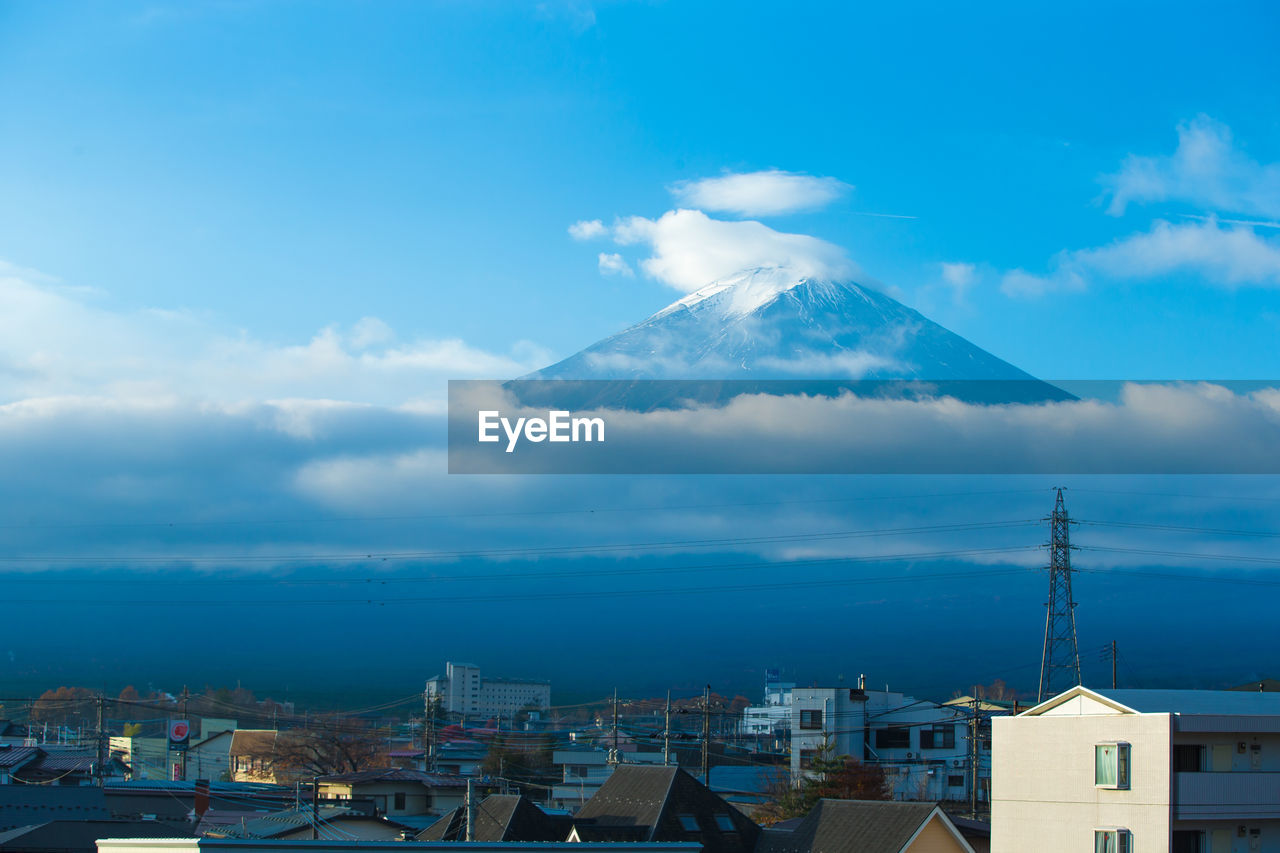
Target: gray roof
[(282, 823), (654, 799), (15, 756), (80, 835), (851, 826), (23, 805), (501, 817), (1219, 702)]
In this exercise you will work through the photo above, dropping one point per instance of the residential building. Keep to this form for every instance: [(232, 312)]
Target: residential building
[(250, 755), (1191, 771), (585, 770), (500, 817), (464, 693), (306, 823), (647, 804), (146, 757), (925, 748), (868, 826), (395, 791), (210, 758)]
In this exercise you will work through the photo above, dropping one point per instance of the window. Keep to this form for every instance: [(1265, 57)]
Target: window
[(689, 823), (941, 736), (806, 758), (399, 801), (1111, 765), (725, 823), (811, 719), (898, 737), (1188, 758), (1112, 841), (955, 781)]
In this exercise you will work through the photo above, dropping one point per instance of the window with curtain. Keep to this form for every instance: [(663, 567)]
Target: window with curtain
[(1112, 841), (1111, 765)]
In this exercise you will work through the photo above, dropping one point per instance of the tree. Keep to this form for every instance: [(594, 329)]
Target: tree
[(829, 776), (129, 694), (327, 746)]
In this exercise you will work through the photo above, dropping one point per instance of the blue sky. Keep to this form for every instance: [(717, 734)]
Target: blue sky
[(243, 245), (280, 168)]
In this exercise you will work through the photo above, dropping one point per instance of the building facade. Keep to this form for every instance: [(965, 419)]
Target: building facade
[(463, 692), (926, 749), (1191, 771)]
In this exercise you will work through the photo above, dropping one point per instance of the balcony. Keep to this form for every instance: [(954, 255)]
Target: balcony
[(1235, 795)]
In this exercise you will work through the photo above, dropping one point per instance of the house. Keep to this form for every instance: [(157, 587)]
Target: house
[(648, 804), (146, 757), (14, 758), (250, 754), (210, 758), (60, 766), (396, 791), (501, 817), (925, 748), (27, 805), (585, 769), (869, 826), (1191, 771), (81, 836)]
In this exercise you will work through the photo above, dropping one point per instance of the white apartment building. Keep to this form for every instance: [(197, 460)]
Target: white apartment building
[(463, 692), (1119, 771), (585, 770), (773, 718), (924, 748)]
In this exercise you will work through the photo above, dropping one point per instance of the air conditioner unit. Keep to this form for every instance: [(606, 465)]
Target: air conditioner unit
[(956, 763), (911, 755)]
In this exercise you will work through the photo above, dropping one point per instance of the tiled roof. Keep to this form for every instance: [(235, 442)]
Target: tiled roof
[(16, 756), (501, 817), (851, 826), (282, 823), (662, 800)]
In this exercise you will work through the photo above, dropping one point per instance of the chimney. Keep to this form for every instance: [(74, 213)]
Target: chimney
[(201, 798)]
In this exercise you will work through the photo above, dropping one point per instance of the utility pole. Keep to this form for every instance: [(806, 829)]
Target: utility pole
[(102, 743), (1060, 660), (666, 734), (470, 834), (182, 755), (429, 725), (613, 755), (315, 808), (706, 736), (973, 758)]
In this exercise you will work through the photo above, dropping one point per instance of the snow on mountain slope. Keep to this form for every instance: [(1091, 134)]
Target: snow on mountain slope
[(770, 324)]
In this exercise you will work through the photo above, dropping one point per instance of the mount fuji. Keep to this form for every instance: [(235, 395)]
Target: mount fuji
[(773, 324)]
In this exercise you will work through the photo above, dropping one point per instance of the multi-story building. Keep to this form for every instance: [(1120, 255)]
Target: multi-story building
[(463, 692), (772, 719), (926, 749), (1117, 771), (584, 770)]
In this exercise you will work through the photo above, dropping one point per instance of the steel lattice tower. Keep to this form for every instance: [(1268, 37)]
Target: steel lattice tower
[(1060, 662)]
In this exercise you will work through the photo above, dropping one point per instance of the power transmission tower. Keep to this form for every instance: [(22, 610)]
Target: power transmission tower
[(1060, 661)]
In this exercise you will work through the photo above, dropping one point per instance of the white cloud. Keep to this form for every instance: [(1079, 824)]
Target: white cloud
[(765, 193), (1227, 257), (1206, 169), (587, 229), (59, 342), (959, 276), (690, 249), (614, 264)]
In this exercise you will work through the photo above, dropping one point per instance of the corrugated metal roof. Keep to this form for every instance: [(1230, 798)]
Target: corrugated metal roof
[(1222, 702), (16, 755), (398, 774)]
